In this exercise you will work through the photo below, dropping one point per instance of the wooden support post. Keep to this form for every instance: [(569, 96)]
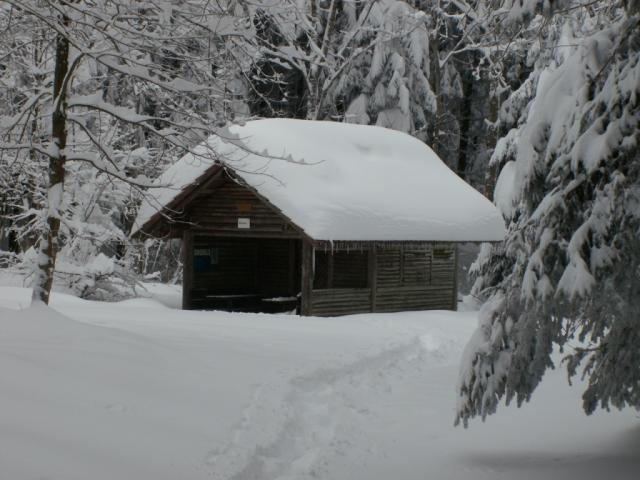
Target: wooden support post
[(401, 265), (307, 277), (430, 253), (187, 268), (373, 275), (454, 305), (291, 268)]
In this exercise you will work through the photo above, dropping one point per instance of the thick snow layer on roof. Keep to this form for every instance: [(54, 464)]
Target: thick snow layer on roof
[(341, 181)]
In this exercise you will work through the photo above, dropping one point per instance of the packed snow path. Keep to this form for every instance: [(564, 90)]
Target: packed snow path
[(138, 390)]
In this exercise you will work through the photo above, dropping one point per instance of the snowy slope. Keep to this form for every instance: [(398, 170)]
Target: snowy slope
[(342, 182), (137, 390)]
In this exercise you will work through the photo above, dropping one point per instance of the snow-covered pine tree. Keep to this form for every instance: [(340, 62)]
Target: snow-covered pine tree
[(455, 59), (121, 86), (298, 52), (476, 60), (22, 72), (568, 274), (326, 59), (389, 84)]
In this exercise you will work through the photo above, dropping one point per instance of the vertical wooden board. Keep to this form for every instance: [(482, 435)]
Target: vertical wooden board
[(187, 268), (401, 277), (454, 305), (373, 275), (430, 255), (291, 266), (307, 277)]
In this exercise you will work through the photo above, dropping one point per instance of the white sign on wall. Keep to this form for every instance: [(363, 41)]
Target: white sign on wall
[(244, 222)]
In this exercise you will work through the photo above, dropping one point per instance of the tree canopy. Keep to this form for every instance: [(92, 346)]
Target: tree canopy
[(568, 274)]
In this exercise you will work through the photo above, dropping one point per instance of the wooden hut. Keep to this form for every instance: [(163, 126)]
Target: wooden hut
[(324, 217)]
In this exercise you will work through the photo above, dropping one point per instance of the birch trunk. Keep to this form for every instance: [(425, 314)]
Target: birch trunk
[(48, 246)]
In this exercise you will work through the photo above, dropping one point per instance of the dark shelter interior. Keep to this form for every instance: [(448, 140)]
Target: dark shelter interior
[(264, 275), (246, 274)]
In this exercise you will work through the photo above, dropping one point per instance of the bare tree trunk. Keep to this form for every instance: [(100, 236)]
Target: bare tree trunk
[(433, 136), (48, 246), (491, 174), (313, 105), (465, 126)]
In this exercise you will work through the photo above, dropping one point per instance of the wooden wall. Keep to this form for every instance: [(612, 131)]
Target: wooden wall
[(416, 278), (412, 277), (340, 301), (218, 208)]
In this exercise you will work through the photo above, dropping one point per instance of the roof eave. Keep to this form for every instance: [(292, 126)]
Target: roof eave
[(338, 243)]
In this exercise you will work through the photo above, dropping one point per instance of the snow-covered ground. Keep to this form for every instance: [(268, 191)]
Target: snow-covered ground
[(137, 390)]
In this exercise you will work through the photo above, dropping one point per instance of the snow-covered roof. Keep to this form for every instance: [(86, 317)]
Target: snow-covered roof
[(340, 181)]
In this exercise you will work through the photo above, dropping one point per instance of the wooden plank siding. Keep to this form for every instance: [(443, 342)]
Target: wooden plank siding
[(220, 208), (306, 279), (413, 298), (416, 277), (340, 301), (413, 277)]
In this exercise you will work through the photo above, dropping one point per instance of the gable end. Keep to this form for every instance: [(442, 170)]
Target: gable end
[(230, 208)]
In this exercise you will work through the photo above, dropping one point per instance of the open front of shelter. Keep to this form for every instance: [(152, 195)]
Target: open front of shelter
[(274, 225)]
